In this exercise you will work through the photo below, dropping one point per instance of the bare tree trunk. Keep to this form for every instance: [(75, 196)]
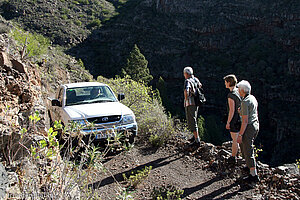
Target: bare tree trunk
[(24, 49)]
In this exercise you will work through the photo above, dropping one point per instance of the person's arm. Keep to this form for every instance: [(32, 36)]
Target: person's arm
[(244, 114), (231, 112), (186, 91), (185, 95), (243, 127)]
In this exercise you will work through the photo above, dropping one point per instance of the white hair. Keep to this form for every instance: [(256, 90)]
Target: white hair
[(188, 70), (244, 85)]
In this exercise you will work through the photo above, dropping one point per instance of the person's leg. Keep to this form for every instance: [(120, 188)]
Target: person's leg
[(191, 116), (235, 145), (248, 149), (248, 140), (189, 119), (255, 130)]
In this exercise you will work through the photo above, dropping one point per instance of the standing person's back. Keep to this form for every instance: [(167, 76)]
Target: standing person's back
[(233, 120), (250, 106), (249, 129), (191, 110)]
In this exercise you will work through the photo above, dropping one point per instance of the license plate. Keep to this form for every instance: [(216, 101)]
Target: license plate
[(104, 135)]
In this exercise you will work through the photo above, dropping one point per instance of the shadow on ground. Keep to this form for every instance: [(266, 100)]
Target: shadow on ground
[(118, 177), (217, 192)]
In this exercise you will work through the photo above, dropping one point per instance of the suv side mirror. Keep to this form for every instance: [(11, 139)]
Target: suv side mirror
[(121, 96), (55, 102)]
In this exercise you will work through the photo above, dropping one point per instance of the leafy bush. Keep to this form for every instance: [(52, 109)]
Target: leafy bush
[(54, 171), (201, 127), (94, 23), (156, 140), (78, 22), (146, 105), (33, 44), (167, 193), (136, 177)]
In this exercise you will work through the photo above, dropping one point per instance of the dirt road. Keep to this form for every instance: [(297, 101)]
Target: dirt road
[(170, 166)]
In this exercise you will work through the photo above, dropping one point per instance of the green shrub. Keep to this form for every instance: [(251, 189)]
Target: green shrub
[(143, 101), (201, 127), (64, 17), (167, 193), (36, 44), (156, 140), (94, 23), (136, 177), (77, 22), (60, 163)]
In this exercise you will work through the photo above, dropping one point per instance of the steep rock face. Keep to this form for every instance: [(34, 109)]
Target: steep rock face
[(20, 96)]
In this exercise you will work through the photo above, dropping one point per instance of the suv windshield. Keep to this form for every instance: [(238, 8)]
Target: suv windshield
[(92, 94)]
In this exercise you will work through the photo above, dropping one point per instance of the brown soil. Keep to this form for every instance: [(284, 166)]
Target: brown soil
[(171, 165)]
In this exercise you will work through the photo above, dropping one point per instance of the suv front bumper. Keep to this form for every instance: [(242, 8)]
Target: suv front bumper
[(106, 132)]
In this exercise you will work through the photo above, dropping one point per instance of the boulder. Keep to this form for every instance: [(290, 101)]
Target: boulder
[(19, 66), (208, 147), (227, 145), (262, 165), (292, 169), (281, 170), (224, 153), (4, 60), (3, 181)]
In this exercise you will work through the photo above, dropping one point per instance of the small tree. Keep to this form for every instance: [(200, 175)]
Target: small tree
[(137, 66)]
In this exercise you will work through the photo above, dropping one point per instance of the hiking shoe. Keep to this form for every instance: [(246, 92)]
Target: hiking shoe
[(252, 179)]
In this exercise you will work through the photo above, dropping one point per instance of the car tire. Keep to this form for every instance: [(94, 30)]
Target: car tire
[(131, 139)]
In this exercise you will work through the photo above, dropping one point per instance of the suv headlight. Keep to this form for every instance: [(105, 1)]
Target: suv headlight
[(80, 122), (128, 119)]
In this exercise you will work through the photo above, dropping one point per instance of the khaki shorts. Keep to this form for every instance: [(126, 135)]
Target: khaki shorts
[(191, 113)]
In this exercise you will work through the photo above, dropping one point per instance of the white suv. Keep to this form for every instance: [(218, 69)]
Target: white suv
[(93, 102)]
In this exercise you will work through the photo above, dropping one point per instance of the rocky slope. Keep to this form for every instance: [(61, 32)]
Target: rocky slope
[(65, 22), (25, 85)]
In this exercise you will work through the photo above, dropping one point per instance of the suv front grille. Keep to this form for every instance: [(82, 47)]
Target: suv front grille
[(105, 119)]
